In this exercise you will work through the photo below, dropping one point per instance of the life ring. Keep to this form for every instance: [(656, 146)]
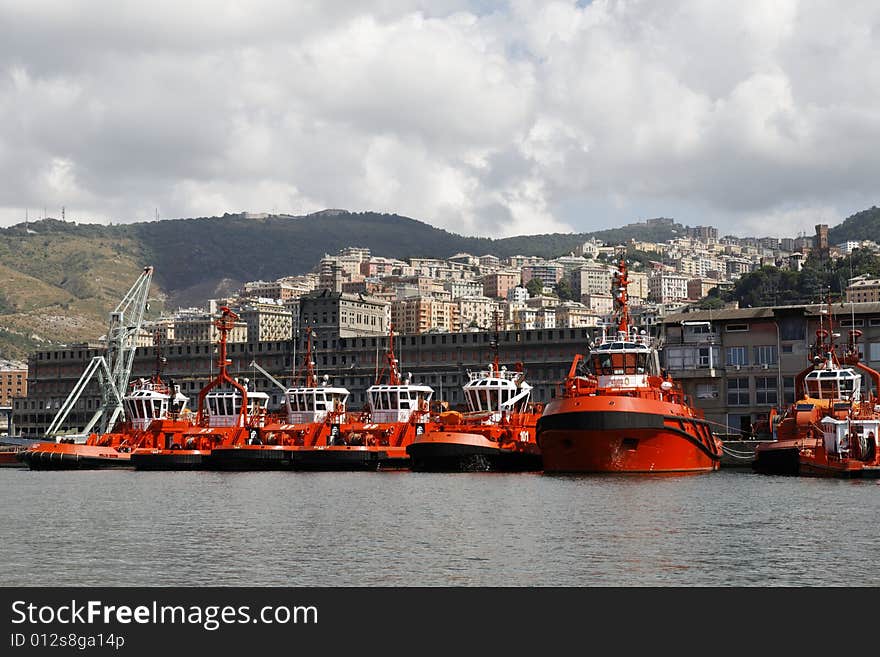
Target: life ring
[(626, 380)]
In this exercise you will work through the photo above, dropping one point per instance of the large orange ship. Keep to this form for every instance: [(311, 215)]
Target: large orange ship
[(625, 415), (832, 429), (225, 416), (496, 434)]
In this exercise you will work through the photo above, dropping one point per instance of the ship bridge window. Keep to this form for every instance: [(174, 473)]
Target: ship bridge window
[(503, 397)]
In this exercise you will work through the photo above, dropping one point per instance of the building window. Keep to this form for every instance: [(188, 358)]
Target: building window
[(788, 390), (736, 328), (738, 391), (707, 391), (791, 328), (874, 321), (765, 390), (787, 349), (851, 323), (704, 356), (737, 356), (765, 355)]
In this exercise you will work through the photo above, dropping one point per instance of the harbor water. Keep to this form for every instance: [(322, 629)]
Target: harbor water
[(730, 528)]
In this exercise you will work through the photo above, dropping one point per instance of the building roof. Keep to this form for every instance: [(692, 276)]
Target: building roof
[(769, 312)]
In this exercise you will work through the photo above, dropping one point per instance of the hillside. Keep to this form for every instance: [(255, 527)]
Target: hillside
[(864, 225), (59, 280), (190, 255)]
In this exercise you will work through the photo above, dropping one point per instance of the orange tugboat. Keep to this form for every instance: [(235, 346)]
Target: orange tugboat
[(831, 431), (626, 416), (398, 413), (496, 434), (224, 417), (106, 447), (314, 413), (153, 410)]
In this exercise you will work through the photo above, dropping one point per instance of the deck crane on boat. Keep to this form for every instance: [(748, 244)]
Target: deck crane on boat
[(275, 382), (112, 369)]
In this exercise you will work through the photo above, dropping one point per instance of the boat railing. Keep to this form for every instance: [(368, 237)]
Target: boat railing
[(640, 339), (503, 373)]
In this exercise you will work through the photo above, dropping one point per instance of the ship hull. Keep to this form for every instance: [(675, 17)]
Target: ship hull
[(169, 459), (251, 457), (637, 437), (460, 451), (781, 458), (67, 456), (817, 463), (10, 459), (347, 457)]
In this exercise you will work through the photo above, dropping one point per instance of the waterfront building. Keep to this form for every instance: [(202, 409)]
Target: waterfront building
[(739, 363), (862, 289)]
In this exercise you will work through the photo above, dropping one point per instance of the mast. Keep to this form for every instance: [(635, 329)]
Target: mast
[(308, 365), (225, 323), (621, 298), (496, 342), (160, 359), (391, 362)]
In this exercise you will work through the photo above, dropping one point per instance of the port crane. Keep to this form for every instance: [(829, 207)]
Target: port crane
[(111, 370)]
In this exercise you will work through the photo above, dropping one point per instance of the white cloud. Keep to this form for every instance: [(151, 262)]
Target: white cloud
[(484, 117)]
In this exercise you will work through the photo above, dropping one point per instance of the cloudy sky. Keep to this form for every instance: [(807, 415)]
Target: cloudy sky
[(484, 117)]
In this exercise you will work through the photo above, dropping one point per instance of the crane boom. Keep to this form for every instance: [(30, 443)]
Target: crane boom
[(276, 382), (113, 370)]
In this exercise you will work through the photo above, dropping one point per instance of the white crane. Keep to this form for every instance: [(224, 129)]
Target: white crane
[(114, 370), (278, 383)]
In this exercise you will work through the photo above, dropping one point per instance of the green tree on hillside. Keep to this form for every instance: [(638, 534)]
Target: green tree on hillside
[(563, 290), (535, 287)]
